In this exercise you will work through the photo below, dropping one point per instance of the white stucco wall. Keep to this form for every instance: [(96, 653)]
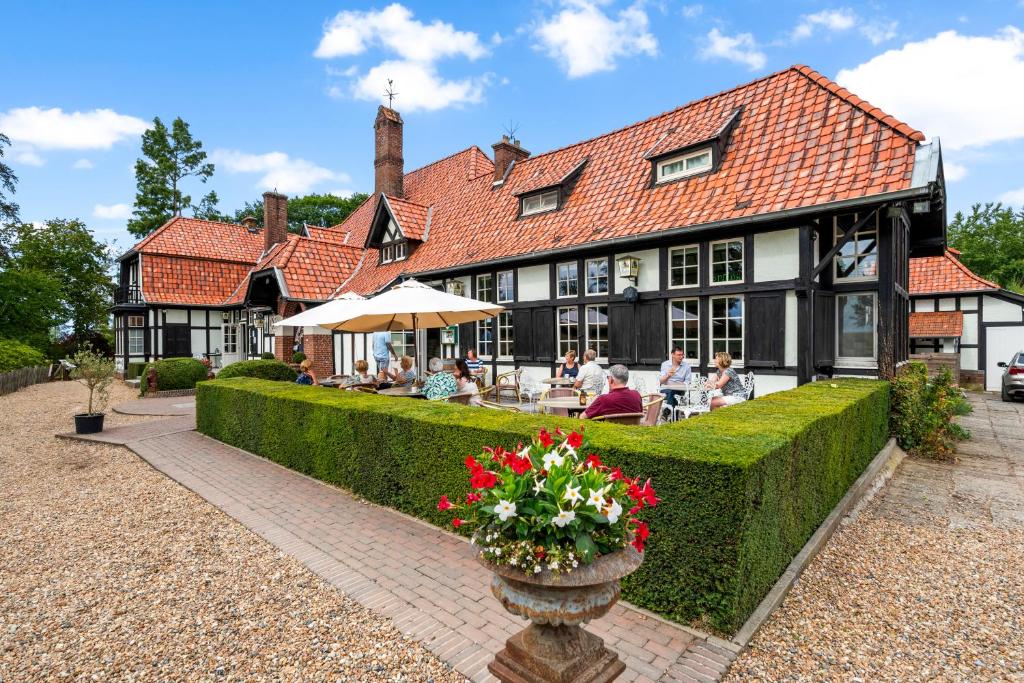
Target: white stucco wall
[(969, 359), (533, 283), (777, 255), (198, 343), (948, 304), (924, 305), (176, 315), (648, 278), (792, 346), (970, 331), (199, 317), (769, 384), (998, 311), (968, 303)]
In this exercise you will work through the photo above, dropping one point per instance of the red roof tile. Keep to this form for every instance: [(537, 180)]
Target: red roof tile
[(944, 274), (410, 216), (551, 172), (196, 238), (698, 131), (200, 282), (937, 324)]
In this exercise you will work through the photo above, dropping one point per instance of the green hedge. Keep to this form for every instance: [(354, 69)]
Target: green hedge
[(261, 369), (743, 488), (14, 355), (136, 369), (175, 373)]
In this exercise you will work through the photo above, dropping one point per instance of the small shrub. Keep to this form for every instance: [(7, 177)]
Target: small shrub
[(261, 369), (175, 373), (923, 412), (267, 355), (94, 370), (298, 357), (136, 369), (14, 355)]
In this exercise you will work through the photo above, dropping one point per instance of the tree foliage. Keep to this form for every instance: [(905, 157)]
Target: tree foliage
[(991, 242), (322, 210), (30, 306), (169, 157), (8, 209)]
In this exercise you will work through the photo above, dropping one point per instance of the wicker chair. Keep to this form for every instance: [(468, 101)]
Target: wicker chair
[(652, 409), (499, 406), (559, 392), (506, 383), (621, 418)]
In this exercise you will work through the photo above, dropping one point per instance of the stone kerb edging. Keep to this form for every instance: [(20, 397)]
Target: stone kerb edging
[(170, 393)]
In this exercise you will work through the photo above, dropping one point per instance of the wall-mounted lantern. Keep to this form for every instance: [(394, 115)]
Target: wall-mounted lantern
[(629, 267), (455, 287)]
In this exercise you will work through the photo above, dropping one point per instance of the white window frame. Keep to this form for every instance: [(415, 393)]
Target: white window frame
[(683, 247), (855, 240), (512, 276), (488, 325), (856, 361), (684, 172), (489, 288), (539, 203), (711, 261), (559, 280), (230, 338), (136, 321), (711, 329), (607, 330), (671, 337), (506, 335), (572, 341), (607, 277), (390, 253), (402, 342), (137, 342)]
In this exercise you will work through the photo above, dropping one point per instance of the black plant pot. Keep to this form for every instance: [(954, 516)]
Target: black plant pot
[(88, 423)]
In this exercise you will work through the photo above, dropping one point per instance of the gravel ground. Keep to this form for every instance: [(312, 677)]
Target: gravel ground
[(110, 571), (887, 600)]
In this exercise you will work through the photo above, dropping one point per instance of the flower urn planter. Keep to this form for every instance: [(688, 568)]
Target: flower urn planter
[(88, 423), (553, 647)]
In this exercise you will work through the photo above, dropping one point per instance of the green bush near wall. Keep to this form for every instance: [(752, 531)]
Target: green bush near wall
[(742, 489), (136, 369), (175, 373), (261, 369), (14, 355)]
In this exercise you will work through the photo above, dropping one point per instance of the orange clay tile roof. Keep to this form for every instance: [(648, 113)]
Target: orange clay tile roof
[(196, 238), (942, 274), (200, 282), (410, 216), (937, 324), (692, 134), (800, 141), (555, 171)]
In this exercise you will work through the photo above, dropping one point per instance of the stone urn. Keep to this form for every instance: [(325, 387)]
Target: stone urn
[(553, 648)]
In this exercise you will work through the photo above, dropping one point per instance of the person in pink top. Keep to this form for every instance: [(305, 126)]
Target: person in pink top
[(619, 399)]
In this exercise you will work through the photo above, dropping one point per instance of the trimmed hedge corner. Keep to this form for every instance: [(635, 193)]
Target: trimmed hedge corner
[(742, 489), (173, 374), (261, 369)]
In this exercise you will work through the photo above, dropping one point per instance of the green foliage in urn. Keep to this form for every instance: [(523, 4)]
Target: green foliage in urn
[(96, 372)]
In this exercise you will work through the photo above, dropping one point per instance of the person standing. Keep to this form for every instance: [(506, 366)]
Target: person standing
[(619, 399), (383, 350), (591, 376), (673, 371)]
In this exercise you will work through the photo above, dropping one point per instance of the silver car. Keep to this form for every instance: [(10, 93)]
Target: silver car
[(1013, 377)]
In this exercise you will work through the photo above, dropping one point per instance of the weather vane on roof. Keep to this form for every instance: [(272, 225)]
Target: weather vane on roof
[(390, 92), (510, 130)]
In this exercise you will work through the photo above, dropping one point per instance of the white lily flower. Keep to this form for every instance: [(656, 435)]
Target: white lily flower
[(614, 511), (553, 564), (538, 485), (536, 570), (572, 494), (563, 518), (505, 509), (595, 499), (552, 458)]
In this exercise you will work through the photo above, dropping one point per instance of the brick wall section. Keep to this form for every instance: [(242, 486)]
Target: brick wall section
[(319, 348), (275, 219), (283, 347), (505, 152), (388, 164)]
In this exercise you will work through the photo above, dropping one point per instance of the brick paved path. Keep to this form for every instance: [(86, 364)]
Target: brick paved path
[(423, 578)]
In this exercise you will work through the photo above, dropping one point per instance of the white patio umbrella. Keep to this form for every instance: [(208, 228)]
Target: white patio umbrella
[(330, 311)]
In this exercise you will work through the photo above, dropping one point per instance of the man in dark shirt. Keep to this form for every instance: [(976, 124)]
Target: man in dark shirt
[(619, 399)]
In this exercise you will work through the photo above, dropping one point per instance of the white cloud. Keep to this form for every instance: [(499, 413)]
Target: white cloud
[(954, 171), (82, 165), (741, 48), (112, 211), (55, 129), (29, 157), (279, 171), (1013, 197), (692, 11), (585, 40), (960, 88), (422, 87), (831, 19)]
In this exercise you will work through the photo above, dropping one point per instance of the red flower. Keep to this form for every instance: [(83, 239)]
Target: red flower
[(575, 439), (539, 553), (640, 536), (443, 504), (483, 479), (635, 509), (558, 431), (593, 461), (616, 475), (648, 494), (545, 438), (473, 498), (457, 522), (471, 464)]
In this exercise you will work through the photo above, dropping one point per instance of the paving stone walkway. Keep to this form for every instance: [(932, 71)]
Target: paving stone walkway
[(425, 579)]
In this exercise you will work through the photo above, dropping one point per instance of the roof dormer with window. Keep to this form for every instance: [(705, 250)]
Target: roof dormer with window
[(691, 150), (546, 186), (398, 227)]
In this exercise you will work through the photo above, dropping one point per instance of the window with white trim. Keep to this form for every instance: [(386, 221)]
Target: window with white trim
[(231, 338), (568, 279), (540, 202), (506, 287), (684, 327), (506, 335), (568, 329), (597, 329), (726, 261), (485, 288), (683, 165), (404, 343), (393, 252), (856, 339), (727, 326), (136, 335), (858, 258), (485, 337), (683, 266), (597, 276)]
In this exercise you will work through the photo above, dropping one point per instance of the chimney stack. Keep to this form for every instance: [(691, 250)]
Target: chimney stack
[(388, 165), (505, 152), (275, 219)]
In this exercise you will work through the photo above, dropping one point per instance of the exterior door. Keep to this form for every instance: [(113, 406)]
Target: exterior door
[(1000, 345), (177, 341)]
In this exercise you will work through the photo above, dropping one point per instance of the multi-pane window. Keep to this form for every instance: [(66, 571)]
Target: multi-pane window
[(485, 337), (136, 335), (535, 203), (568, 329), (727, 325), (393, 252), (597, 276), (597, 329), (506, 335), (683, 267), (727, 261), (506, 287), (485, 288), (568, 282), (404, 343), (855, 327), (231, 339), (684, 319), (684, 165), (858, 258)]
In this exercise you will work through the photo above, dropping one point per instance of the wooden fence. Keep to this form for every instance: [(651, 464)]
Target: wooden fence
[(936, 362), (21, 378)]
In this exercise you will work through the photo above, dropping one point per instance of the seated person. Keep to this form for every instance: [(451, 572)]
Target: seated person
[(306, 374), (673, 371), (465, 384), (591, 376), (475, 365), (403, 377), (728, 385), (570, 368), (362, 374), (440, 384), (619, 399)]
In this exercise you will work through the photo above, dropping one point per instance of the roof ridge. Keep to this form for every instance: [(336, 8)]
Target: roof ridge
[(149, 238), (446, 158), (967, 271), (871, 110)]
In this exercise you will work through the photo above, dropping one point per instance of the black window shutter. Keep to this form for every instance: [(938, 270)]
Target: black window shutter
[(544, 334), (766, 330), (522, 330), (652, 345), (621, 334), (824, 329)]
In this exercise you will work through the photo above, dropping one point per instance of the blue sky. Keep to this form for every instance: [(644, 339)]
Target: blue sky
[(285, 96)]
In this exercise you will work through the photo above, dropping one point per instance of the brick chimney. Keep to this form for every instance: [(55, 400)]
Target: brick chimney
[(388, 165), (275, 219), (505, 152)]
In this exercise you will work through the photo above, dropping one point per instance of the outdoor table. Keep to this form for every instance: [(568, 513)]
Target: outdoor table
[(559, 381), (570, 403), (408, 392), (331, 383), (680, 387)]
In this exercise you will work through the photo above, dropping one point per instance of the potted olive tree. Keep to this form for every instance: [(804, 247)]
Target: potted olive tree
[(96, 372)]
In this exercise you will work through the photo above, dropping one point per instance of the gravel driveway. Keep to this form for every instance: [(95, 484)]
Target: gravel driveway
[(110, 571)]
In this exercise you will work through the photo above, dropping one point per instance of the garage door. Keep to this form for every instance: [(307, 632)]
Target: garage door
[(1001, 343)]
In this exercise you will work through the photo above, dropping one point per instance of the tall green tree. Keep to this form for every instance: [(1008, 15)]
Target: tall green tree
[(169, 157), (322, 210), (8, 209), (991, 242), (30, 307)]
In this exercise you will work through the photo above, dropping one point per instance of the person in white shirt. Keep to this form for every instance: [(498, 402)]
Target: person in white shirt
[(673, 371), (591, 376)]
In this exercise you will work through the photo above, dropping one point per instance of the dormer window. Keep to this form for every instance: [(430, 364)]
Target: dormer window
[(394, 252), (683, 165), (540, 202)]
